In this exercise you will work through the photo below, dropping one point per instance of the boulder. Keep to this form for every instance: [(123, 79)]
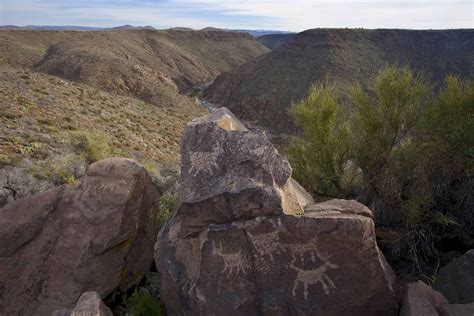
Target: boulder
[(246, 239), (89, 304), (456, 279), (421, 300), (95, 235), (457, 310)]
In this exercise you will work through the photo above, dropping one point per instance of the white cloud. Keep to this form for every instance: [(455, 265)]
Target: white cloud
[(293, 15), (304, 14)]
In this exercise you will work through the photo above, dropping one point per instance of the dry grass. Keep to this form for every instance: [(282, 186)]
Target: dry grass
[(41, 114)]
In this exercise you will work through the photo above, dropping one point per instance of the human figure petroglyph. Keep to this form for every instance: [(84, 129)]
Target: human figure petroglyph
[(233, 262), (313, 276)]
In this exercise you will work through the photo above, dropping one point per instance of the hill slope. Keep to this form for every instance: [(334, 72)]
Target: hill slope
[(154, 66), (273, 41), (25, 48), (262, 90), (46, 123)]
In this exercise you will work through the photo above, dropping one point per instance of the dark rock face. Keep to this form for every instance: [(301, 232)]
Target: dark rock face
[(457, 310), (240, 243), (456, 279), (92, 236), (421, 300)]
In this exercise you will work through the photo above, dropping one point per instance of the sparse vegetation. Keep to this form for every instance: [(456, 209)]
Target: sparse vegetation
[(166, 207), (93, 145), (141, 303), (404, 150), (58, 138)]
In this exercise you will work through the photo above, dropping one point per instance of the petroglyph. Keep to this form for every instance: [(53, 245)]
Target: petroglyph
[(233, 262), (313, 276), (266, 244), (204, 162)]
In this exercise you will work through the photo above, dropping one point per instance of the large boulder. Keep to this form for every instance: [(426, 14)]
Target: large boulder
[(421, 300), (95, 235), (456, 279), (246, 239)]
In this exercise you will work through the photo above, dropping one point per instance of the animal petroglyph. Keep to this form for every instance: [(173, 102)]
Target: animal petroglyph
[(313, 276), (266, 244), (203, 162), (233, 262)]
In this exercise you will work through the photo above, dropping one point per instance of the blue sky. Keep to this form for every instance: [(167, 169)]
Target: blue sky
[(296, 15)]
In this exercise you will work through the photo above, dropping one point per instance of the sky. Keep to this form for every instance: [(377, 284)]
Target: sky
[(295, 15)]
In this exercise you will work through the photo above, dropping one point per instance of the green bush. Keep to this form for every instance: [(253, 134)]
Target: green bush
[(321, 158), (403, 149), (166, 207), (93, 145), (141, 303)]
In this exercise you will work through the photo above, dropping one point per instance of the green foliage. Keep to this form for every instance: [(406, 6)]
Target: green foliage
[(384, 144), (93, 145), (141, 303), (166, 207), (320, 159), (414, 150)]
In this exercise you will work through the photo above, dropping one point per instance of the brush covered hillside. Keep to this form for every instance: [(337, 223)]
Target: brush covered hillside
[(51, 129), (151, 65), (155, 66), (69, 98), (262, 90)]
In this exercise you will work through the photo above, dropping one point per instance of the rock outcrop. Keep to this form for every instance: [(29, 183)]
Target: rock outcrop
[(246, 239), (457, 310), (95, 235), (89, 304), (456, 279), (421, 300)]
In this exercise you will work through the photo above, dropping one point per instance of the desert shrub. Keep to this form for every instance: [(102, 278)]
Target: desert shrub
[(10, 160), (413, 148), (166, 207), (321, 157), (63, 170), (141, 303), (92, 145)]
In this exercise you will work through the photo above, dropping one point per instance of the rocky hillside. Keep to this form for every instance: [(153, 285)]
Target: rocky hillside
[(23, 48), (273, 41), (50, 129), (151, 65), (68, 98), (262, 90)]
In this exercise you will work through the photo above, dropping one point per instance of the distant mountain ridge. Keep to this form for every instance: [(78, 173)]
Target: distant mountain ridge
[(72, 27), (262, 90), (254, 33)]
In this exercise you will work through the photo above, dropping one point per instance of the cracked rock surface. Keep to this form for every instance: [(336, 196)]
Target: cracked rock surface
[(247, 239)]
